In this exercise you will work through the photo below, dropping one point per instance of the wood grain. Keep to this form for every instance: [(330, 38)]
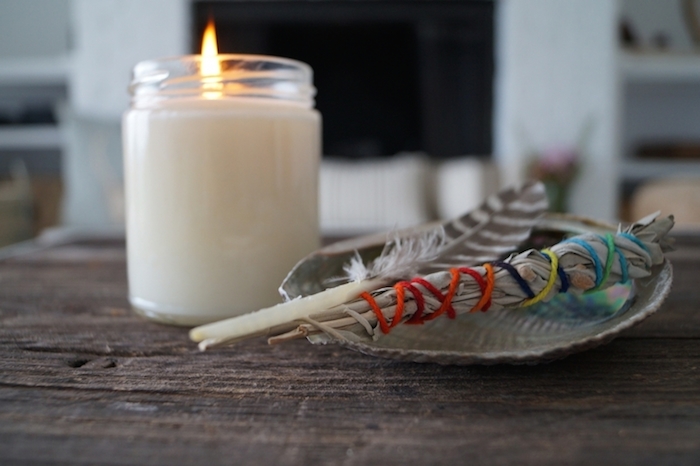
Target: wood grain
[(85, 381)]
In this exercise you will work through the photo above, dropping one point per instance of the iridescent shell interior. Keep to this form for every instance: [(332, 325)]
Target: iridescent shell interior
[(567, 324)]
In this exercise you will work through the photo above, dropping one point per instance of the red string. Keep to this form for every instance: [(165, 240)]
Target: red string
[(420, 302), (434, 291), (486, 287), (486, 294), (482, 285), (447, 300)]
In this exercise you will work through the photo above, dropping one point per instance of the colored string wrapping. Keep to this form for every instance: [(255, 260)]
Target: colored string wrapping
[(609, 241), (447, 302), (418, 296), (602, 273), (517, 277), (563, 279), (484, 303), (483, 285), (554, 260), (383, 325), (635, 240), (418, 316), (487, 285), (594, 257), (486, 289)]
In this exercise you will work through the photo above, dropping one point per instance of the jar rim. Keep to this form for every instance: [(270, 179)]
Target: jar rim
[(252, 76)]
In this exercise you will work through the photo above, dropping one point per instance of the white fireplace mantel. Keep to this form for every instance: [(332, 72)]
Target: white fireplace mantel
[(557, 67)]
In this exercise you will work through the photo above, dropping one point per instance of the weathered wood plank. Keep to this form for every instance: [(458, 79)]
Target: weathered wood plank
[(671, 370), (84, 381), (278, 403), (300, 405)]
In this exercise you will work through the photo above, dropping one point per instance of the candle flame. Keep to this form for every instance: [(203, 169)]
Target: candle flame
[(210, 62)]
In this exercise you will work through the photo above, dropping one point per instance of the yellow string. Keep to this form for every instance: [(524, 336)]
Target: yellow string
[(550, 282)]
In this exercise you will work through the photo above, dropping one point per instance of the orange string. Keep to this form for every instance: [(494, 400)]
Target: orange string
[(485, 301), (486, 287), (479, 281), (377, 311), (400, 293)]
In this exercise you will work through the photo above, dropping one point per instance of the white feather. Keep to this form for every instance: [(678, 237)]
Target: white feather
[(356, 270), (401, 257)]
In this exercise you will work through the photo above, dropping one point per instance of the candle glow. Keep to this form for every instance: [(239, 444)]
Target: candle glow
[(210, 67), (210, 51)]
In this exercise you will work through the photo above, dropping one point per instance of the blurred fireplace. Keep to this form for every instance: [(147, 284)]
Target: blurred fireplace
[(392, 76)]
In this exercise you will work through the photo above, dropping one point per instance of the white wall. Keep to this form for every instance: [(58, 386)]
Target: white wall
[(34, 28), (556, 68), (110, 37)]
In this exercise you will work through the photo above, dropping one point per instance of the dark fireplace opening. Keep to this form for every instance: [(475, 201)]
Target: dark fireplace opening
[(392, 76), (367, 80)]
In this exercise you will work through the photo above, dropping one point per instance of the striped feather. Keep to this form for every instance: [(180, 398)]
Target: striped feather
[(485, 233), (495, 228), (501, 223)]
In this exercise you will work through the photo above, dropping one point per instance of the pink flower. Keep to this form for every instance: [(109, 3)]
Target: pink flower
[(558, 164)]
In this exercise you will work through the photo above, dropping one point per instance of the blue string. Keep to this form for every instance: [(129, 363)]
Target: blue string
[(635, 240), (516, 276), (562, 275), (594, 255), (564, 280)]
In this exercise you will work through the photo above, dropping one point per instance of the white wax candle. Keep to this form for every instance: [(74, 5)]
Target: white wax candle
[(221, 203)]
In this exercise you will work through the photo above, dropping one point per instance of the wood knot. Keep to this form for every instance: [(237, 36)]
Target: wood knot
[(86, 363)]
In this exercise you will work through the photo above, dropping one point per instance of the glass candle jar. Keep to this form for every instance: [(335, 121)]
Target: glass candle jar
[(221, 181)]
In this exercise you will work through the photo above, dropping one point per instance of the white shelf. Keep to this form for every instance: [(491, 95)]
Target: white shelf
[(30, 137), (637, 170), (660, 67), (34, 71)]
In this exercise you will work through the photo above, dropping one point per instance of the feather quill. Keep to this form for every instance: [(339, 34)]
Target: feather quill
[(498, 226)]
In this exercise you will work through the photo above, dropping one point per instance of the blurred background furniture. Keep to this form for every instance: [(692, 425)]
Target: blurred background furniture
[(677, 196), (501, 80)]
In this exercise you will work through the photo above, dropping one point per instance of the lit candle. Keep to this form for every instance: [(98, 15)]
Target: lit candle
[(221, 157)]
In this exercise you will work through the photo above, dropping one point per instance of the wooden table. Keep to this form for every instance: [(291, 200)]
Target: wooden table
[(85, 381)]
